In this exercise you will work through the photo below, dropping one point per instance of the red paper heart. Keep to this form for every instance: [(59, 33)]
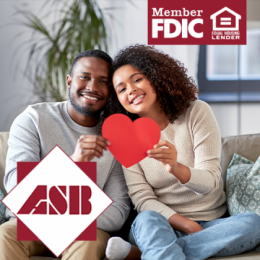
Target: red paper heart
[(129, 140)]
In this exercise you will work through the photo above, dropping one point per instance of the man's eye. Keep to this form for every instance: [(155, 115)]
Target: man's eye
[(104, 82), (83, 77)]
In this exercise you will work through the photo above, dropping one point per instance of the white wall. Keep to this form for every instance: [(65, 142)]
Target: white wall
[(15, 90), (228, 116), (128, 26)]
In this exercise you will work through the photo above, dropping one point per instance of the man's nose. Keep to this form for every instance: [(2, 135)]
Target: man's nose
[(92, 85)]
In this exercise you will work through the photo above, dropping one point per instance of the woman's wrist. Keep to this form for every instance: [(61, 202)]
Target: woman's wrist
[(181, 172), (183, 224), (179, 223)]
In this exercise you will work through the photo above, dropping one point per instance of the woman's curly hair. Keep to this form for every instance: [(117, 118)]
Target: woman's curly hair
[(174, 89)]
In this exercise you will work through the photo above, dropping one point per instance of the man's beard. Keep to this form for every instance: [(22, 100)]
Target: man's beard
[(87, 111)]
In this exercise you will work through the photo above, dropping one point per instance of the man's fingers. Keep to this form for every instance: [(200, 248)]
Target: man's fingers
[(94, 139), (91, 146), (91, 152)]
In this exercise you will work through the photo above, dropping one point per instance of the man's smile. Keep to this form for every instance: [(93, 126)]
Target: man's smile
[(91, 98)]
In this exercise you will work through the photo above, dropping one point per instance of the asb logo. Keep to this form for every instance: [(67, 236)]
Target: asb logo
[(38, 202), (58, 202), (197, 22)]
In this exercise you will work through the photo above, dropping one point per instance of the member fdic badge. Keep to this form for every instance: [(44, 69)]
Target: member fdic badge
[(197, 22)]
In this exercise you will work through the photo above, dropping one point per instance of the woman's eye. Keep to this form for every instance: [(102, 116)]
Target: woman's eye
[(121, 90), (137, 80)]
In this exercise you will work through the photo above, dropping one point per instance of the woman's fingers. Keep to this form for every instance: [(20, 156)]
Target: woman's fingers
[(161, 156), (164, 143), (164, 152), (159, 151)]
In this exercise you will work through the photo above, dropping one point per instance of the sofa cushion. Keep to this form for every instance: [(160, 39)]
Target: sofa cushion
[(243, 180), (2, 209), (246, 145)]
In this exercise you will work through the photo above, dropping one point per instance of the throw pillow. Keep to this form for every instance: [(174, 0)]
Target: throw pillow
[(243, 185), (2, 209)]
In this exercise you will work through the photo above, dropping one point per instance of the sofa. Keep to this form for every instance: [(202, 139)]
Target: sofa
[(245, 145)]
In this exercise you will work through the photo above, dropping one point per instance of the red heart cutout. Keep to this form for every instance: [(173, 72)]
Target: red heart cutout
[(129, 140)]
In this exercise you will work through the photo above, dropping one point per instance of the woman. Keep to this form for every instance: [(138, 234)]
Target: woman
[(177, 189)]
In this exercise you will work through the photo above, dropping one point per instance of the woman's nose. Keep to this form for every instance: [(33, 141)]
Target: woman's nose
[(131, 89)]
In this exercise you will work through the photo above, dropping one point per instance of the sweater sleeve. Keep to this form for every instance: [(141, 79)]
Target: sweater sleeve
[(206, 173), (24, 146), (142, 193)]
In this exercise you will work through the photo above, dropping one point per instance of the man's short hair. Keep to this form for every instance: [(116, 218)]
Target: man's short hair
[(91, 53)]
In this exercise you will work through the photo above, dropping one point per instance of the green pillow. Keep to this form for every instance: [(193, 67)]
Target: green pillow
[(243, 185), (2, 209)]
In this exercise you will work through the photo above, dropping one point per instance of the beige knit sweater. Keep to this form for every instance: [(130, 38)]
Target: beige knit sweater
[(196, 137)]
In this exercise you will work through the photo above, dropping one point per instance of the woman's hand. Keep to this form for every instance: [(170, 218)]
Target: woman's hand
[(183, 224), (193, 227), (167, 155)]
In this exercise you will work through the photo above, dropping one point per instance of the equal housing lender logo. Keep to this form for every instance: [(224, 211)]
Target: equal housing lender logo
[(197, 22)]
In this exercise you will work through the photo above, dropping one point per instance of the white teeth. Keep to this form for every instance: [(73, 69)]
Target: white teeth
[(136, 100), (89, 97)]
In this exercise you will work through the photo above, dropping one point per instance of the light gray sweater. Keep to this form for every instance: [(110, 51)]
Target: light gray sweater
[(42, 126), (196, 137)]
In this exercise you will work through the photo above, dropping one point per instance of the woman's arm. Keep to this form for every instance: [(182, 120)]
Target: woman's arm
[(205, 176), (183, 224)]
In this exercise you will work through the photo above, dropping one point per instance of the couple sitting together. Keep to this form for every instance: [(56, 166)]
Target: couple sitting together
[(177, 189)]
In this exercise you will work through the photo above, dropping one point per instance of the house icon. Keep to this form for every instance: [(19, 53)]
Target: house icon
[(225, 20)]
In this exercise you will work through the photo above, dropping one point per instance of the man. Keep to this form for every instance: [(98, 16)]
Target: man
[(74, 126)]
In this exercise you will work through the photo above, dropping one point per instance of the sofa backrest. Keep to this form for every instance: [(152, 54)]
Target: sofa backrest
[(246, 145), (3, 151)]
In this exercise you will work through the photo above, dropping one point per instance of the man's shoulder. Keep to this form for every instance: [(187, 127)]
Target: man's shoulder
[(46, 107), (43, 112)]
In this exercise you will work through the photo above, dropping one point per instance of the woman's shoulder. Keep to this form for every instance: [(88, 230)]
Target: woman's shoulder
[(196, 108), (198, 111), (199, 105)]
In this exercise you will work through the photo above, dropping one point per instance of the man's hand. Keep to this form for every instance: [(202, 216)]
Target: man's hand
[(88, 147)]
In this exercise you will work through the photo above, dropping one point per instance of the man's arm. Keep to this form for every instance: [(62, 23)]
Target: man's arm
[(23, 145), (116, 214)]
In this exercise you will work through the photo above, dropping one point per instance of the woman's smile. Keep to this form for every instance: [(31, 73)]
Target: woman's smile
[(137, 99)]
